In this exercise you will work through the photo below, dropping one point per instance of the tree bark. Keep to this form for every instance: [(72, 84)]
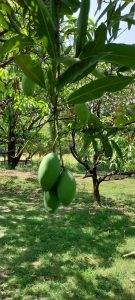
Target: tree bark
[(96, 186), (11, 154), (13, 157)]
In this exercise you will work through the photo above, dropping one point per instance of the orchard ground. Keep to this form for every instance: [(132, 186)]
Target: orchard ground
[(76, 253)]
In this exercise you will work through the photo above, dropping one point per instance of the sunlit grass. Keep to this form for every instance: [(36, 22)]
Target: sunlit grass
[(76, 253)]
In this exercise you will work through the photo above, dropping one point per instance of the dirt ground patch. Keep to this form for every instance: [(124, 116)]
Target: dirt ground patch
[(17, 173)]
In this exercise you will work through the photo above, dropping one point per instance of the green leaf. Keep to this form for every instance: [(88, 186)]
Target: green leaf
[(94, 144), (66, 60), (77, 71), (28, 86), (120, 54), (94, 122), (116, 22), (44, 24), (106, 146), (31, 68), (108, 8), (96, 46), (14, 25), (86, 142), (67, 51), (3, 21), (82, 26), (98, 73), (65, 9), (98, 87), (129, 18), (99, 4), (130, 21), (100, 37), (117, 149), (125, 115), (21, 3), (68, 7), (111, 131), (120, 118), (82, 112), (16, 43)]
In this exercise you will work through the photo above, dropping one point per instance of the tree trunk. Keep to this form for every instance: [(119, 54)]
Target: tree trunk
[(96, 186), (11, 154), (13, 158), (96, 192)]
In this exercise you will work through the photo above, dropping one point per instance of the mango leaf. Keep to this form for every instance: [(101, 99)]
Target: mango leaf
[(111, 131), (86, 142), (21, 3), (94, 144), (94, 121), (116, 22), (43, 23), (68, 7), (96, 46), (100, 37), (3, 21), (31, 68), (66, 60), (82, 112), (15, 25), (99, 4), (125, 115), (129, 18), (117, 148), (107, 8), (106, 146), (16, 43), (120, 54), (98, 73), (77, 71), (82, 26), (65, 9), (120, 118), (67, 51), (130, 21), (97, 88), (122, 70)]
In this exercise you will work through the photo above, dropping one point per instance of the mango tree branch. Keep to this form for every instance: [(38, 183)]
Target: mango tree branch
[(3, 65), (73, 150), (116, 175), (3, 32)]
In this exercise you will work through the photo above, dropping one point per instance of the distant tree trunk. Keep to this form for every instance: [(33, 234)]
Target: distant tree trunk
[(96, 186), (13, 158), (11, 154), (4, 158)]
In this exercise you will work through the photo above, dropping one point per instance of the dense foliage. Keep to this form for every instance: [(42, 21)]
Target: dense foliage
[(71, 60)]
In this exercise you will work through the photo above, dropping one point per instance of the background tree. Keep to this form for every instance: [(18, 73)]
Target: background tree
[(20, 119), (32, 37), (103, 139)]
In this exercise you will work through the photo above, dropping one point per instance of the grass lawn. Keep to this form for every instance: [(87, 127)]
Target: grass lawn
[(76, 253)]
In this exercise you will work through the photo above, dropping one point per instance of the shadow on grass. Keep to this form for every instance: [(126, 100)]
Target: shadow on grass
[(41, 247), (106, 288)]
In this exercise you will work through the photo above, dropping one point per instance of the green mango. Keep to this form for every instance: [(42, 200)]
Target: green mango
[(28, 86), (51, 201), (66, 187), (82, 112), (49, 171)]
